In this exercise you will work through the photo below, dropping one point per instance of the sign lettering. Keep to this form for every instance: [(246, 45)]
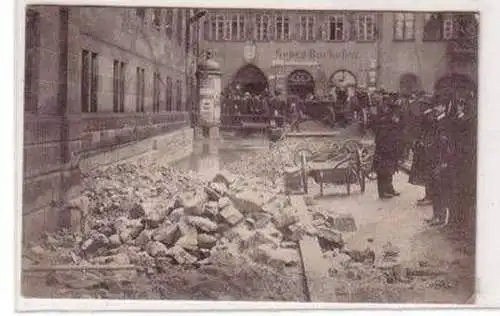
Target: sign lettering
[(312, 53)]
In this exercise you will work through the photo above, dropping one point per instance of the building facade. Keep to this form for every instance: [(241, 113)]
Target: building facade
[(297, 52), (101, 85)]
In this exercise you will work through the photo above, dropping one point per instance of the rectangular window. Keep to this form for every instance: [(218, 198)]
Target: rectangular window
[(282, 28), (157, 19), (366, 27), (31, 61), (433, 28), (94, 82), (89, 81), (206, 29), (156, 92), (180, 26), (236, 27), (404, 26), (168, 95), (262, 24), (307, 28), (118, 86), (169, 23), (178, 95), (140, 88), (448, 27), (141, 13), (219, 27), (335, 28)]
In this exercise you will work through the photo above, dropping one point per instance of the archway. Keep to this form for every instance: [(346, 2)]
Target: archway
[(250, 78), (409, 83), (455, 86), (342, 78), (300, 83)]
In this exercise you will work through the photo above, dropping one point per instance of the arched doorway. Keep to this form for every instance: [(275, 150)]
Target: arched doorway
[(342, 83), (456, 86), (300, 83), (409, 83), (250, 79)]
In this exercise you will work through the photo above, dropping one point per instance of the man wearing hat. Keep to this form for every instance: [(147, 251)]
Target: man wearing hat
[(387, 128), (439, 159)]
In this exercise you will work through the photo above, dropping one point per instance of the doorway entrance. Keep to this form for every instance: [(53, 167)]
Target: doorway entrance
[(250, 79)]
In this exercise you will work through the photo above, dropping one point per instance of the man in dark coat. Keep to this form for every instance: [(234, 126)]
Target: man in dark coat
[(423, 124), (387, 128), (439, 159), (462, 164)]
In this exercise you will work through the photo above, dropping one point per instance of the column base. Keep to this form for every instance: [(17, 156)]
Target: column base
[(207, 132)]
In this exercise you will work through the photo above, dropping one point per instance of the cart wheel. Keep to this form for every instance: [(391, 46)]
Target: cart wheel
[(297, 156), (352, 145), (361, 179)]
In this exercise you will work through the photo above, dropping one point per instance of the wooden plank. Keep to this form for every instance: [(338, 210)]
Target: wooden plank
[(320, 286), (78, 267)]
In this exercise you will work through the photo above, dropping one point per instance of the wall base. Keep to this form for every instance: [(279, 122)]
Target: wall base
[(41, 216)]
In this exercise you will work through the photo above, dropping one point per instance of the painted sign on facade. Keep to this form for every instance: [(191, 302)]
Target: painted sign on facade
[(304, 54)]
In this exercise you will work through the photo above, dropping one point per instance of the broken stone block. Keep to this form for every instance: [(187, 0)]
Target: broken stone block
[(201, 223), (137, 211), (136, 226), (277, 258), (345, 223), (231, 215), (193, 202), (285, 218), (219, 188), (289, 245), (188, 240), (224, 202), (176, 215), (144, 238), (114, 240), (154, 214), (250, 201), (94, 243), (156, 249), (330, 238), (211, 209), (226, 177), (181, 256), (206, 241), (167, 235)]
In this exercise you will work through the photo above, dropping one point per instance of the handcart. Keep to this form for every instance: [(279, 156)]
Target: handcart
[(343, 165)]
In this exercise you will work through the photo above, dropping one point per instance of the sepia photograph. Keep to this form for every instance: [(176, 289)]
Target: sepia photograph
[(248, 154)]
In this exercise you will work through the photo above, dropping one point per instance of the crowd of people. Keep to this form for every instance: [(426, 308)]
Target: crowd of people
[(437, 130), (440, 133)]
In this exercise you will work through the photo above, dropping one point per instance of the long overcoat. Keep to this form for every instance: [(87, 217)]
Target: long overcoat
[(387, 143)]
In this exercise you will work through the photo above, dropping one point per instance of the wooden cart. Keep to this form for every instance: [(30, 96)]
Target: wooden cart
[(342, 166)]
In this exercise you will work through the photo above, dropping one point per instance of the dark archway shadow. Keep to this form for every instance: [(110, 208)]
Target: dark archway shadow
[(251, 79), (300, 83), (409, 83)]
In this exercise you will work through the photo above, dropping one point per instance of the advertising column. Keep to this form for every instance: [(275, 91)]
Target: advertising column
[(210, 89)]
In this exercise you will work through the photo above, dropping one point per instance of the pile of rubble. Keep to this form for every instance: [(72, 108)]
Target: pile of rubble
[(153, 218), (270, 164)]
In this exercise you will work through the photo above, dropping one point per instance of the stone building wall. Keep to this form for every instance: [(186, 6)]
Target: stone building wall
[(56, 127)]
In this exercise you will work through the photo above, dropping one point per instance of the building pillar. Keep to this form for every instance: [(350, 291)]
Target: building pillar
[(209, 77)]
